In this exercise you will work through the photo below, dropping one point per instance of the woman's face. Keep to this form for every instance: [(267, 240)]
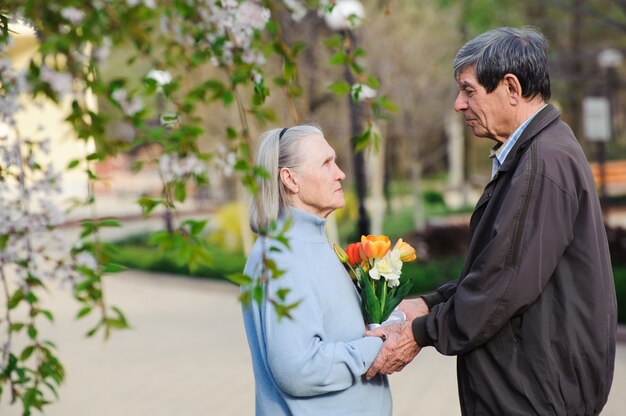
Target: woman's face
[(316, 184)]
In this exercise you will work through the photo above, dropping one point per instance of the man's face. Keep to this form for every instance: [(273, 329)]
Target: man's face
[(487, 114)]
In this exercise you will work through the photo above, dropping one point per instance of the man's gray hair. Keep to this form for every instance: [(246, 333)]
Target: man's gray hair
[(521, 52), (277, 149)]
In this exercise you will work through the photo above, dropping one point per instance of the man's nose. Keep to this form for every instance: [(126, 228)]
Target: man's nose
[(460, 104)]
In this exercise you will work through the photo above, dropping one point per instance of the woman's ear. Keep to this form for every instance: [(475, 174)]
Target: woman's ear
[(290, 181)]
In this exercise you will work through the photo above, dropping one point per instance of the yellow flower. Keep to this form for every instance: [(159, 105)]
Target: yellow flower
[(407, 253), (375, 246)]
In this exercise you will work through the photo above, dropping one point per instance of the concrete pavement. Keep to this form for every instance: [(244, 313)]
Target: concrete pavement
[(187, 356)]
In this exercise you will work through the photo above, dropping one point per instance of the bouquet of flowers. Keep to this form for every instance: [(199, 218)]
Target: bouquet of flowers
[(377, 270)]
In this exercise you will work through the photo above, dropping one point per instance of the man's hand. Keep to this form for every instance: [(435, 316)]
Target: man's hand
[(397, 351), (413, 308)]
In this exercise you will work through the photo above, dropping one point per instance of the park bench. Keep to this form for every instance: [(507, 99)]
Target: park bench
[(614, 176)]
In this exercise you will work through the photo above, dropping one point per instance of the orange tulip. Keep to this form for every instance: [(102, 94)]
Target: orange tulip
[(407, 253), (355, 254), (375, 246)]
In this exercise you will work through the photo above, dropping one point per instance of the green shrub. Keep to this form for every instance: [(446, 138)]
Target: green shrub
[(619, 273), (134, 252), (429, 276)]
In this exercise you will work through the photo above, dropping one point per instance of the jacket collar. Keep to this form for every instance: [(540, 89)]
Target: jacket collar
[(545, 117)]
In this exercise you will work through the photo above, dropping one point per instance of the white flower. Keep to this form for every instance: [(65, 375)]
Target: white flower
[(389, 266), (298, 10), (362, 92), (119, 95), (73, 15), (173, 168), (102, 52), (60, 82), (130, 106), (86, 260), (161, 77), (252, 15)]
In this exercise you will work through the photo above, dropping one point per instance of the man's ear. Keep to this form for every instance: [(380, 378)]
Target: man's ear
[(513, 87), (288, 179)]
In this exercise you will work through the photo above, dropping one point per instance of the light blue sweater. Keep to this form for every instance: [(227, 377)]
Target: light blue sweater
[(313, 364)]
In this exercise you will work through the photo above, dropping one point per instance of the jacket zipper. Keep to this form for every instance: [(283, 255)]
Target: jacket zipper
[(521, 220)]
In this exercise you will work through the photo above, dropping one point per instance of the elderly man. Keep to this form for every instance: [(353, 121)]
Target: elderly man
[(532, 317)]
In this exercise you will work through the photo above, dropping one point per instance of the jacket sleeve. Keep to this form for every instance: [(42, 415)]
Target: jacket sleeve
[(532, 229), (302, 362), (442, 294)]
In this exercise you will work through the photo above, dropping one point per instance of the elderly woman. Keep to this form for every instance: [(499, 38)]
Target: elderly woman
[(312, 364)]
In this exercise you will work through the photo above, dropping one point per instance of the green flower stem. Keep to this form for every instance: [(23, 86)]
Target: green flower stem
[(383, 295)]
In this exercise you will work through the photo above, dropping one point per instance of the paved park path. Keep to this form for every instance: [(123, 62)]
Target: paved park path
[(187, 356)]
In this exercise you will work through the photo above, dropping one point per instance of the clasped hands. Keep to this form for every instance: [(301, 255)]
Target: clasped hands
[(399, 347)]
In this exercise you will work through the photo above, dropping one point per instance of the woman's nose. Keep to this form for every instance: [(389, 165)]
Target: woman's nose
[(340, 175)]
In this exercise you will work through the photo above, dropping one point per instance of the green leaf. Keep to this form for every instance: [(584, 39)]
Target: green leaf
[(195, 227), (231, 133), (27, 352), (32, 332), (148, 204), (402, 290), (84, 312), (338, 58), (239, 279), (371, 305), (258, 294), (245, 298), (373, 82), (340, 88), (48, 315), (180, 192), (282, 294), (95, 156), (113, 268), (95, 329), (16, 326), (73, 164), (109, 222), (4, 239), (284, 311)]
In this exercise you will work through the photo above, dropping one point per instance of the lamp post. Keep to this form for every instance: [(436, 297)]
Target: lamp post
[(345, 16), (608, 60)]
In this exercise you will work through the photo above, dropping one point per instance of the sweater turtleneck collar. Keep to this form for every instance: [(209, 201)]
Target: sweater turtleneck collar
[(307, 226)]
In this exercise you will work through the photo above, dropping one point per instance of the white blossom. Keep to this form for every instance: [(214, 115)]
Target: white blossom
[(129, 105), (161, 77), (102, 52), (87, 260), (389, 266), (362, 92), (60, 82), (73, 15), (173, 168), (298, 10)]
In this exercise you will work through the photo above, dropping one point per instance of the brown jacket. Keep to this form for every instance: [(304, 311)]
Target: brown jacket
[(532, 317)]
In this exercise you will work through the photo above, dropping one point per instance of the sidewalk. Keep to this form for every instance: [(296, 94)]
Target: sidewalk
[(187, 356)]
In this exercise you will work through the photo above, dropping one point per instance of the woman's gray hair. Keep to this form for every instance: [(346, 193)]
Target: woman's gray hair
[(521, 52), (276, 151)]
